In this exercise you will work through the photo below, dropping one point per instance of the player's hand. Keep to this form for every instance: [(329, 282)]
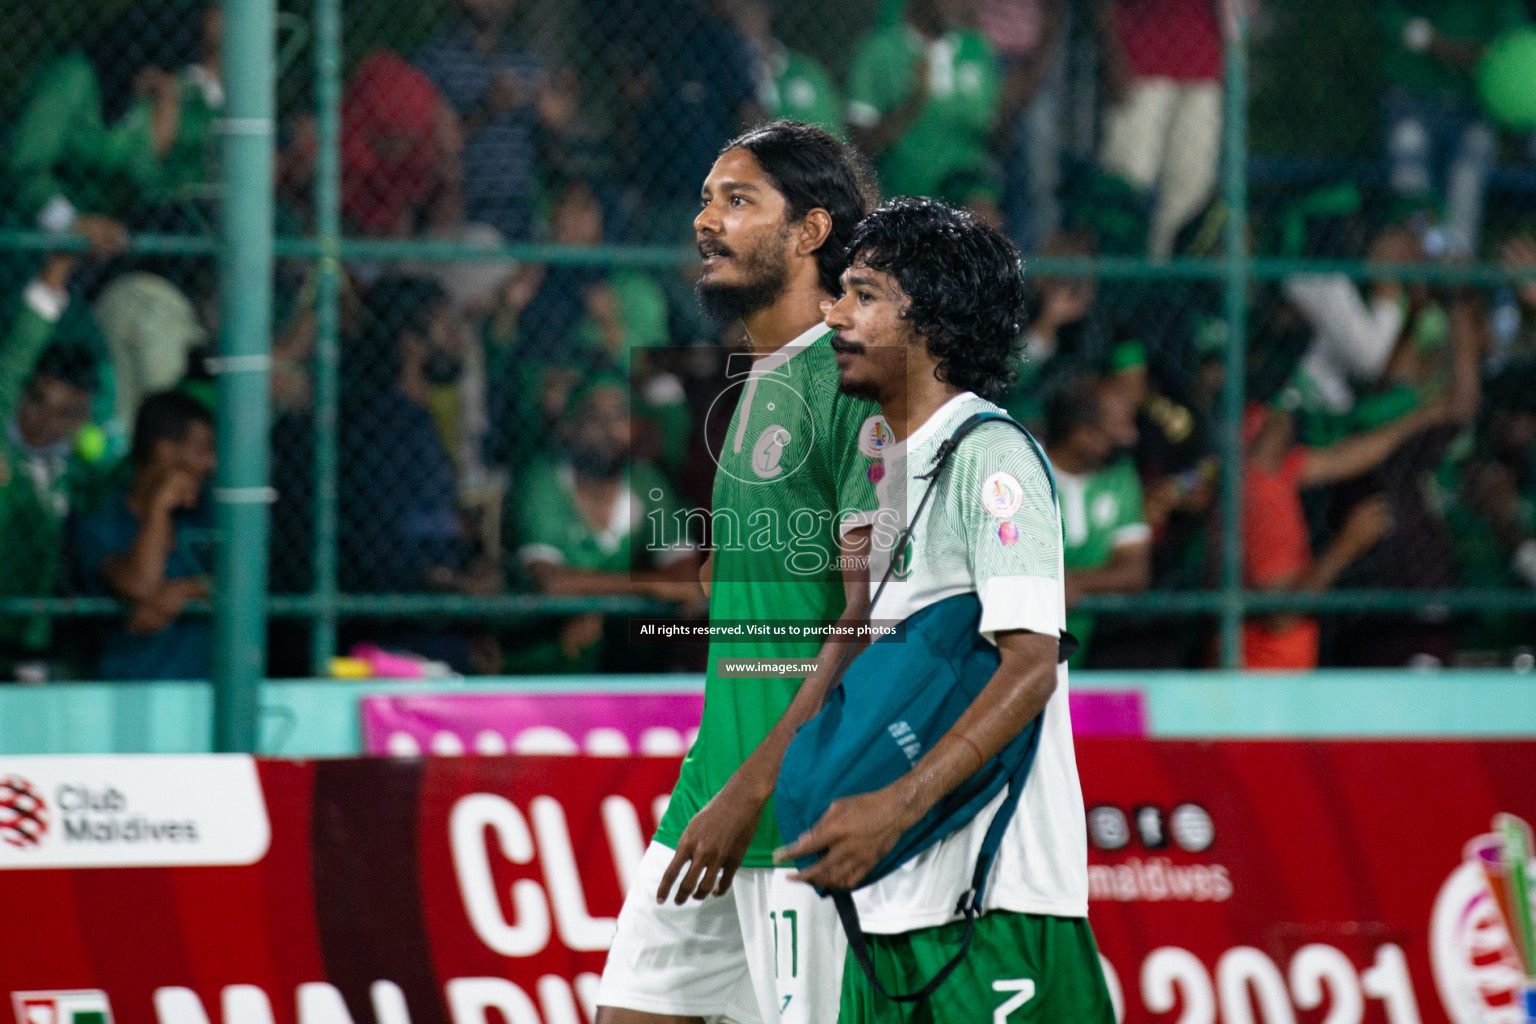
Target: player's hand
[(852, 836), (714, 844), (164, 606), (149, 617), (177, 490), (106, 236), (579, 633), (1367, 523), (684, 592), (1396, 245), (507, 90), (1067, 301), (922, 78), (1520, 253)]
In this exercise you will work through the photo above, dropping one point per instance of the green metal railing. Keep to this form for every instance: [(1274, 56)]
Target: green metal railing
[(241, 492), (246, 249), (1235, 306)]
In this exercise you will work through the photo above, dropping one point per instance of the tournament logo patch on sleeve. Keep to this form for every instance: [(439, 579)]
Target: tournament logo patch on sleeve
[(1001, 495), (875, 436)]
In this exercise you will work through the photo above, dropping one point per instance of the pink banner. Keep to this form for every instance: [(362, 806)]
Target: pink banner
[(612, 724)]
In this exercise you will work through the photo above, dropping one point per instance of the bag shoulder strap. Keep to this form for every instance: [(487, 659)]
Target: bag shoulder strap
[(842, 899), (936, 472), (975, 420)]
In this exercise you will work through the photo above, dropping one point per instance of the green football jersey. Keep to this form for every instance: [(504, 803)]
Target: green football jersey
[(949, 137), (796, 469), (801, 90), (550, 527), (1099, 512)]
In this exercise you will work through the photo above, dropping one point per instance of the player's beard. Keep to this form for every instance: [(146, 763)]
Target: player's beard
[(892, 363), (765, 269)]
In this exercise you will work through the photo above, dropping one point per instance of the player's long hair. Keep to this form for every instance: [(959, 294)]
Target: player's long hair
[(811, 169), (965, 282)]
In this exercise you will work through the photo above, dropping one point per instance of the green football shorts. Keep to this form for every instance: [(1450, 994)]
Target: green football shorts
[(1021, 969)]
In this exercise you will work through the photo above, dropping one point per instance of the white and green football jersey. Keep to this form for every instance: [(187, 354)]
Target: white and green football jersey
[(991, 528)]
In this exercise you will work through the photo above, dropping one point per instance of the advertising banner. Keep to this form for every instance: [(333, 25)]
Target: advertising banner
[(1232, 882), (613, 724), (663, 723)]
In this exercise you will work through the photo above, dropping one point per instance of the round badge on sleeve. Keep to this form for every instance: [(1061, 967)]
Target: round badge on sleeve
[(875, 436), (1001, 495)]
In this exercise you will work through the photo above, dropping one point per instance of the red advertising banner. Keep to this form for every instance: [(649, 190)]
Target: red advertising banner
[(1241, 882)]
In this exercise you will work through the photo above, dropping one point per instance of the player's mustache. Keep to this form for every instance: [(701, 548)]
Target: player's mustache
[(710, 247), (843, 346)]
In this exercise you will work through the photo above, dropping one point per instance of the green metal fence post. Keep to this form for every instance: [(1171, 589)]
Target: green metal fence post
[(1235, 151), (327, 324), (241, 494)]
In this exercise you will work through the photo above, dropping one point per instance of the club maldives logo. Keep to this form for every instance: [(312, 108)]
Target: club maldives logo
[(142, 811), (1483, 930), (23, 812)]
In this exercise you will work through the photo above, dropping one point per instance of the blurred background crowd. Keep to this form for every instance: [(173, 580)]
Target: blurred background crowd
[(509, 426)]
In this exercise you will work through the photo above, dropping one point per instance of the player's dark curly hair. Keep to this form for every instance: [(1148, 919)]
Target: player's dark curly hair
[(812, 169), (965, 283)]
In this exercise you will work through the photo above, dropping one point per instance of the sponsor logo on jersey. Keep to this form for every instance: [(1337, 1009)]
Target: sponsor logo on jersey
[(877, 471), (771, 431), (768, 452), (875, 436), (1001, 495), (1008, 533)]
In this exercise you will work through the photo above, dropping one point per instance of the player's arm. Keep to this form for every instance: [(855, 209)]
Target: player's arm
[(877, 119), (716, 840), (857, 831), (1128, 570), (674, 582), (1362, 453)]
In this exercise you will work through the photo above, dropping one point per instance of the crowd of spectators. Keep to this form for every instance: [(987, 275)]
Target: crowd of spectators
[(510, 426)]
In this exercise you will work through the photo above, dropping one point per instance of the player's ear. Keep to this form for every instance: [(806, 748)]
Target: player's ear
[(814, 229)]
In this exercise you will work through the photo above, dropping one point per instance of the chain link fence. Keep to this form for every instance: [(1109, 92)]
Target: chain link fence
[(488, 366)]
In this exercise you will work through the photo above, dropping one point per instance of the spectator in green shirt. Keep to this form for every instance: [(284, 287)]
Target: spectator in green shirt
[(1437, 142), (593, 521), (922, 100), (1068, 332), (109, 129), (790, 84), (554, 325), (45, 401), (1107, 542)]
